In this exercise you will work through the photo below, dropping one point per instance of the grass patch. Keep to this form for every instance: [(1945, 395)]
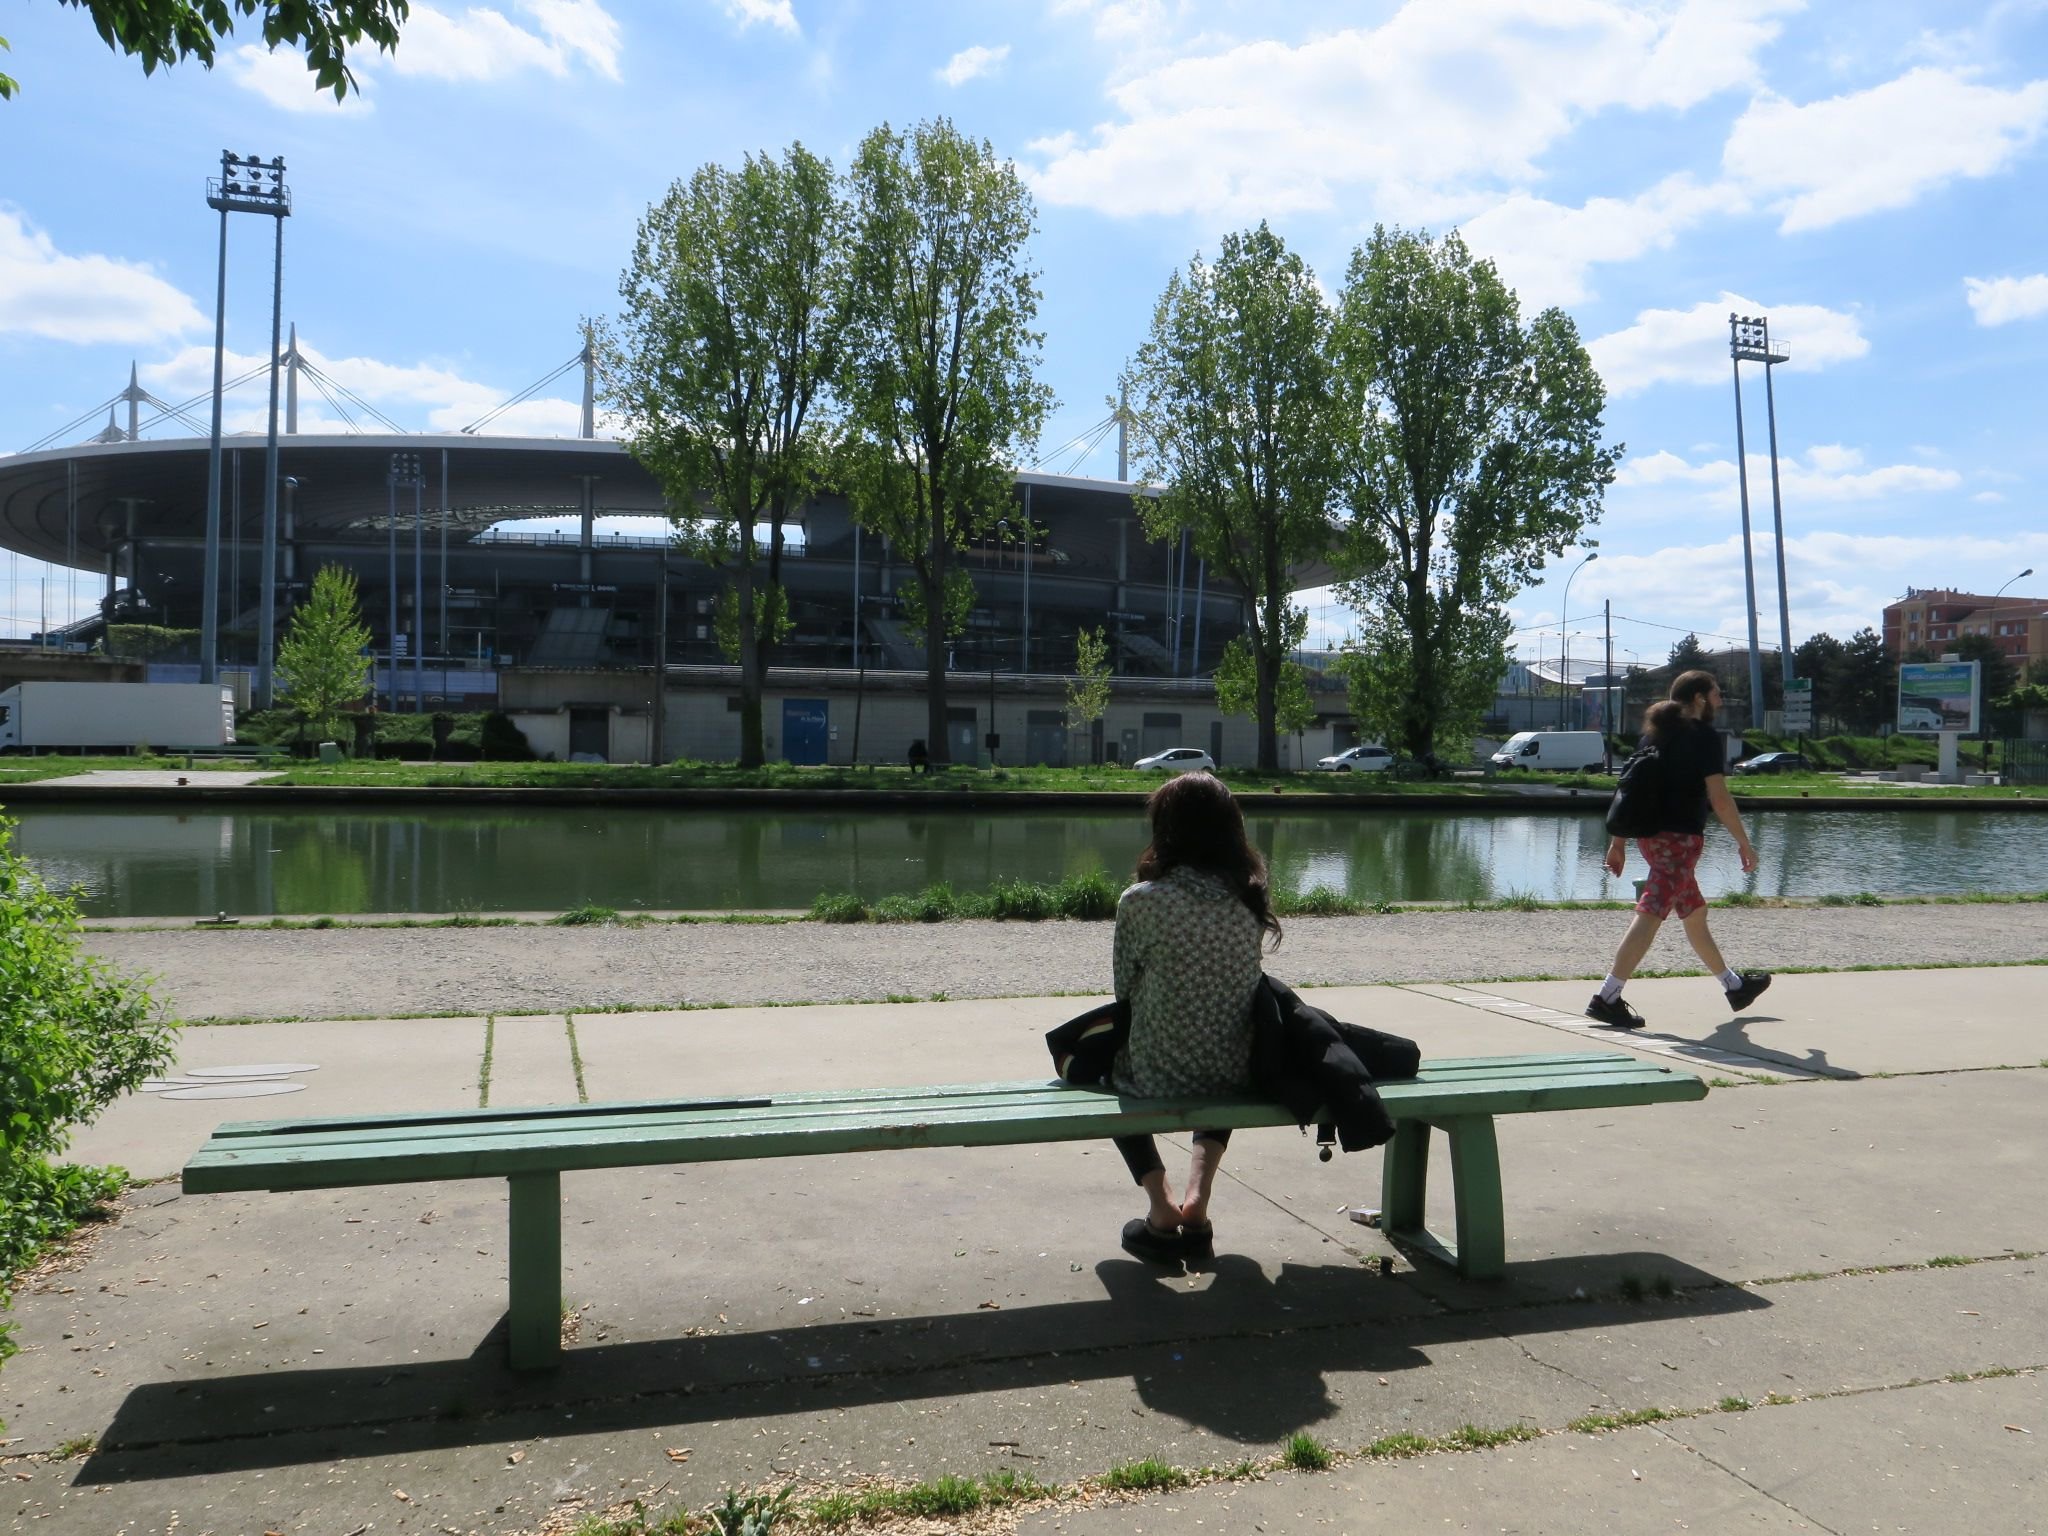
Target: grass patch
[(1598, 1423), (1305, 1453), (1734, 1405), (1949, 1261), (1143, 1476), (1404, 1444), (483, 1071), (81, 1445), (1475, 1437), (585, 916)]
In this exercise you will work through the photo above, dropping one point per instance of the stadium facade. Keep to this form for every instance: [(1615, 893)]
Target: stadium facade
[(565, 628)]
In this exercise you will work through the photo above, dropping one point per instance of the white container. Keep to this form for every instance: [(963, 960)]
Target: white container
[(97, 716)]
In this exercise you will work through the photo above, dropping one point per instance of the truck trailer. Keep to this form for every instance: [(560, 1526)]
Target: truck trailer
[(95, 717)]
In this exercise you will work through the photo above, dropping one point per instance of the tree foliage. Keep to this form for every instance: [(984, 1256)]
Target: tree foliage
[(1473, 457), (321, 658), (1088, 689), (1231, 395), (939, 380), (73, 1038), (735, 307), (168, 31), (1854, 682), (1237, 680)]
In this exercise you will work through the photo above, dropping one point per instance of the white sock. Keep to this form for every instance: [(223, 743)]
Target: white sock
[(1610, 989), (1731, 980)]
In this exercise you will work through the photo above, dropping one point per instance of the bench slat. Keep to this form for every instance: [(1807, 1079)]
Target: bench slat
[(879, 1120), (478, 1121)]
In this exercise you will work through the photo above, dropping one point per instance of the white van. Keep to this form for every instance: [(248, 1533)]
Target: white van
[(1553, 752)]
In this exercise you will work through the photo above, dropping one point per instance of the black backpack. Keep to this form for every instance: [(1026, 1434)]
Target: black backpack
[(1637, 809)]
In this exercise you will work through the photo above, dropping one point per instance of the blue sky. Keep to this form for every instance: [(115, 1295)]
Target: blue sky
[(1868, 173)]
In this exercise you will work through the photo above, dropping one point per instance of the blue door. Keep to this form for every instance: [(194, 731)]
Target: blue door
[(805, 732)]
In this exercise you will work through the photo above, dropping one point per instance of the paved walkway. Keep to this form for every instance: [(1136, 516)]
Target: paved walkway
[(1842, 1236), (164, 778)]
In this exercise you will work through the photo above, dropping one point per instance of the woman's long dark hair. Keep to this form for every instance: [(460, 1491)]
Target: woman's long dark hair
[(1196, 822), (1662, 720)]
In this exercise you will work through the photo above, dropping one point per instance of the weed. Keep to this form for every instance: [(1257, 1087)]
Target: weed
[(1741, 899), (1734, 1405), (1948, 1261), (1401, 1445), (752, 1514), (1778, 1400), (1143, 1476), (1595, 1423), (1631, 1288), (845, 907), (321, 922), (1318, 901), (1720, 1082), (1241, 1471), (1472, 1437), (1305, 1453), (83, 1445), (587, 915)]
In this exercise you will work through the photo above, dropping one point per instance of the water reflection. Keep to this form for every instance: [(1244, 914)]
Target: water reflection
[(484, 859)]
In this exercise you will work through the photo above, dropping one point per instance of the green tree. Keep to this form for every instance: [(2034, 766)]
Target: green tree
[(1864, 687), (1231, 395), (1474, 457), (735, 308), (1999, 676), (167, 31), (321, 659), (939, 378), (1088, 689), (73, 1038), (1237, 680)]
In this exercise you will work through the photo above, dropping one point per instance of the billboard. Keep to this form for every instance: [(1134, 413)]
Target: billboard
[(1938, 696)]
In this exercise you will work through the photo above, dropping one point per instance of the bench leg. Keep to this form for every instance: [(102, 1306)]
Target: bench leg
[(1480, 1252), (534, 1320)]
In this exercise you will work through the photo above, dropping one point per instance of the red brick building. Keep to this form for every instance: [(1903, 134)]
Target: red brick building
[(1934, 618)]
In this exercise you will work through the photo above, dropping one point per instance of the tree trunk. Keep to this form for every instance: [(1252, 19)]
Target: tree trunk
[(751, 754), (1267, 664)]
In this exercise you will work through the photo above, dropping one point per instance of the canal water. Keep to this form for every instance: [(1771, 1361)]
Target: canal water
[(482, 858)]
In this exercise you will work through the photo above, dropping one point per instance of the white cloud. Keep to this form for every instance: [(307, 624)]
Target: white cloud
[(1445, 95), (484, 44), (1989, 498), (1117, 21), (282, 79), (1543, 249), (969, 62), (774, 13), (1882, 148), (1828, 473), (83, 299), (1690, 346), (2001, 300)]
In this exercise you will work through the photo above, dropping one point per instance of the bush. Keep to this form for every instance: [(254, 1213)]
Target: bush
[(503, 742), (73, 1038)]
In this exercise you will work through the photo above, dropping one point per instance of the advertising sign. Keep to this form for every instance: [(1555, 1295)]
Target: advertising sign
[(1938, 696)]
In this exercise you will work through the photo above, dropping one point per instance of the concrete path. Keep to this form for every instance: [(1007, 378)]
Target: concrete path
[(1825, 1273), (164, 778)]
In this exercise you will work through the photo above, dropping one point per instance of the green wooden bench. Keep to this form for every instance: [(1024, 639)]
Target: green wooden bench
[(531, 1147)]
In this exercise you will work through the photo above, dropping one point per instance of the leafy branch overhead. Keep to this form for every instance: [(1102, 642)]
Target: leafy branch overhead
[(170, 31)]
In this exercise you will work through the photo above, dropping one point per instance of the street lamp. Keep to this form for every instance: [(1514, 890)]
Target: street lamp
[(2022, 576), (1563, 640)]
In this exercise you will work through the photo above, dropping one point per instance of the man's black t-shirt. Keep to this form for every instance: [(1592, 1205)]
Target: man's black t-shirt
[(1694, 755)]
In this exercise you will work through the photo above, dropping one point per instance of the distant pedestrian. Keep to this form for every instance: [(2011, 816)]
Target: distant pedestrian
[(1692, 774)]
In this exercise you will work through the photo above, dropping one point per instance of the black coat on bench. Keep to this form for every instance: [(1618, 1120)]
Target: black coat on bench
[(1319, 1067)]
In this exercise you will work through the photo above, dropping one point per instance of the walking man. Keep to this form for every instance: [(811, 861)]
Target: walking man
[(1693, 767)]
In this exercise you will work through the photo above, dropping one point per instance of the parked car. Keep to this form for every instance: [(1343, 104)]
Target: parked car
[(1359, 759), (1773, 762), (1177, 760)]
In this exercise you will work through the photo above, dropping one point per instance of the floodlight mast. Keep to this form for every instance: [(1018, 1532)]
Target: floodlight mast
[(247, 184), (1749, 340)]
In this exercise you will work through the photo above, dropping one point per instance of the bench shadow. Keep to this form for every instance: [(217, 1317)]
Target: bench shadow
[(1248, 1356)]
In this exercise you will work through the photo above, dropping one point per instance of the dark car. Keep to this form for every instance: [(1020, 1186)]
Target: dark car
[(1773, 762)]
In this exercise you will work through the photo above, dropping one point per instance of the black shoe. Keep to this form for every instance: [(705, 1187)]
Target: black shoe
[(1613, 1012), (1142, 1240), (1754, 984)]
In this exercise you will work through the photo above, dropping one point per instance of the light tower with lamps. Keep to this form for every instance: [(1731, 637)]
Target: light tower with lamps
[(1564, 645), (1749, 340), (247, 184)]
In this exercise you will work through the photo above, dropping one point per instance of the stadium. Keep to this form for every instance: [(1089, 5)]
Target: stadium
[(535, 575)]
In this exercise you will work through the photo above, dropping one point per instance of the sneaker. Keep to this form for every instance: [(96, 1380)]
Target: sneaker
[(1616, 1013), (1754, 984)]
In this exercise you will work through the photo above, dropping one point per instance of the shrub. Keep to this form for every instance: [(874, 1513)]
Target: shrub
[(503, 742), (73, 1038)]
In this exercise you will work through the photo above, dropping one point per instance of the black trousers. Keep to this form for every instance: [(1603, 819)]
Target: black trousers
[(1141, 1153)]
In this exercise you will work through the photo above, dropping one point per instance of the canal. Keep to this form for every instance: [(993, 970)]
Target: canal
[(136, 862)]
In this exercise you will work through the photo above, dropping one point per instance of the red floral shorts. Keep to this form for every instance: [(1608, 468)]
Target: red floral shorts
[(1671, 888)]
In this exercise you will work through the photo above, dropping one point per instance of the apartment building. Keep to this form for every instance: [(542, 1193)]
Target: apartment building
[(1931, 618)]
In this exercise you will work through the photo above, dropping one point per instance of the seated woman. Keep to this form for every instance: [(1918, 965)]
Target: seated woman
[(1188, 941)]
